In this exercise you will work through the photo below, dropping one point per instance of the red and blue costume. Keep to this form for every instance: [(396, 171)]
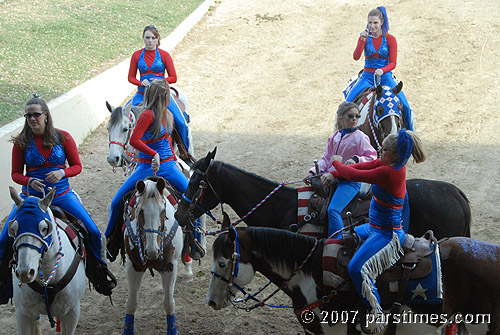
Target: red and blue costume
[(148, 145), (39, 161), (384, 235), (380, 53), (152, 64)]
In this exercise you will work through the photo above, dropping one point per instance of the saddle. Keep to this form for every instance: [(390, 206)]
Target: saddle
[(320, 199), (98, 274)]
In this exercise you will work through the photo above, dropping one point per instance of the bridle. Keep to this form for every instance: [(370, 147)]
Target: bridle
[(127, 156), (235, 260), (375, 123), (136, 236)]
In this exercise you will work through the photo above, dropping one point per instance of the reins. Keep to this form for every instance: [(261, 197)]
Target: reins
[(234, 273)]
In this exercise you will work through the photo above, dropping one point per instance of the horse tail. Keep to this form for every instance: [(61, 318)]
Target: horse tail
[(468, 216)]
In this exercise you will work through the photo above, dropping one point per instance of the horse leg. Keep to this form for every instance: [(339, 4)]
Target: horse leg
[(70, 321), (134, 280), (168, 281), (25, 323), (187, 275)]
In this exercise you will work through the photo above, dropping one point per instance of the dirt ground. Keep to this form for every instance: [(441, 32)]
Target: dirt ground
[(264, 79)]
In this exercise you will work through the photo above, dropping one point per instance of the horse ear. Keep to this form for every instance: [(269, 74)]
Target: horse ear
[(110, 108), (15, 197), (398, 88), (47, 200), (379, 91), (140, 186), (160, 185), (226, 223), (214, 152), (231, 235)]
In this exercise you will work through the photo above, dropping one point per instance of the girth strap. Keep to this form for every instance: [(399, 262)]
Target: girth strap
[(396, 306)]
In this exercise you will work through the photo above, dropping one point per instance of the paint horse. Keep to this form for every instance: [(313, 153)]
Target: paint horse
[(153, 240), (50, 275), (434, 205), (293, 262)]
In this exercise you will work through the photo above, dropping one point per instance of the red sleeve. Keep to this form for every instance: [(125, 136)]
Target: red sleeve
[(373, 172), (359, 49), (169, 67), (132, 71), (18, 166), (72, 156), (145, 120), (393, 53)]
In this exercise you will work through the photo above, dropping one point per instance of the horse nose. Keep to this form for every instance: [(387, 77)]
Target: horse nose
[(113, 160), (151, 254), (25, 276), (213, 304)]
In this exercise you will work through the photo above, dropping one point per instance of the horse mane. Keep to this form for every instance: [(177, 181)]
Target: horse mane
[(219, 164), (115, 115), (279, 247)]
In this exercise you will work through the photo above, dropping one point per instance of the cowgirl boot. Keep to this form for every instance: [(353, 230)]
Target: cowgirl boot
[(196, 250)]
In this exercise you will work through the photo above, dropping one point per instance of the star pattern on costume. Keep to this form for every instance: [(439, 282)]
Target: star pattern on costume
[(419, 291)]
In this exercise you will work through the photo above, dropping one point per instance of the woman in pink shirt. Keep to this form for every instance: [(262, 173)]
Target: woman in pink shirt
[(350, 145)]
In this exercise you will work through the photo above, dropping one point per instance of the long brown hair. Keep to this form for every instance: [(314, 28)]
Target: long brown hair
[(51, 135), (157, 98)]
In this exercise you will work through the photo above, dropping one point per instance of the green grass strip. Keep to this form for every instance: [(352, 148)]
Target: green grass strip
[(52, 46)]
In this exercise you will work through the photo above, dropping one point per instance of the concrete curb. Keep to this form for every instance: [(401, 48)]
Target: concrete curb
[(83, 109)]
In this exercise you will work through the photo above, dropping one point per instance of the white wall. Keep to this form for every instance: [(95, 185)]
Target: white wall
[(83, 108)]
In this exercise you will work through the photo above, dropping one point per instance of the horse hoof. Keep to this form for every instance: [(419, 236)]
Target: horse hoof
[(187, 278)]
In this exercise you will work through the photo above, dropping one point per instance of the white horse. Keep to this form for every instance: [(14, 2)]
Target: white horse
[(121, 153), (153, 240), (121, 125), (45, 261)]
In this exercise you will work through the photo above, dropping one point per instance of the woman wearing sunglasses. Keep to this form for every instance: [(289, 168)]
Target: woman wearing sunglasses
[(39, 157), (349, 145), (152, 63)]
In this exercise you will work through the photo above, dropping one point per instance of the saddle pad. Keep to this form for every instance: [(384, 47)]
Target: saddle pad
[(426, 290), (303, 195), (331, 277)]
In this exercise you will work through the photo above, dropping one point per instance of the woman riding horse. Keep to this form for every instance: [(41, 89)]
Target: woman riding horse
[(43, 150), (152, 62), (384, 235), (381, 53), (151, 137)]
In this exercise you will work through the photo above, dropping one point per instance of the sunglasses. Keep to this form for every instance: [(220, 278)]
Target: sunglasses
[(352, 116), (150, 27), (35, 115)]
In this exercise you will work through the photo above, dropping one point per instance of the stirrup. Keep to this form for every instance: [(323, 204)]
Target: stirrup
[(196, 251)]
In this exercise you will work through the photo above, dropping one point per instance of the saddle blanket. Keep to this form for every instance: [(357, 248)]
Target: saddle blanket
[(303, 196), (426, 290)]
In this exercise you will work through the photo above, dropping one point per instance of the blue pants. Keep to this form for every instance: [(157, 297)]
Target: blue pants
[(345, 192), (367, 80), (179, 119), (168, 170), (377, 253), (70, 203)]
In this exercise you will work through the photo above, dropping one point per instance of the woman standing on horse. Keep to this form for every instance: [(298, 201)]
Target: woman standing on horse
[(151, 137), (42, 151), (381, 53), (152, 62), (383, 236), (349, 145)]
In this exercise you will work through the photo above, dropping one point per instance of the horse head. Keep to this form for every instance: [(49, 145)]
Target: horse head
[(198, 198), (31, 228), (120, 128), (387, 110), (230, 270), (152, 210)]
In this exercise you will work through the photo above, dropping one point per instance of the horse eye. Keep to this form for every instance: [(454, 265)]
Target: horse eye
[(125, 130), (43, 228), (222, 265), (380, 110)]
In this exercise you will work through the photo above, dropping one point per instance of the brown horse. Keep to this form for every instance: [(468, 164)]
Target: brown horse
[(381, 113), (293, 262)]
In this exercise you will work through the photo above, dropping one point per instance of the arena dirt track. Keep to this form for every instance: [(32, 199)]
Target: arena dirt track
[(264, 79)]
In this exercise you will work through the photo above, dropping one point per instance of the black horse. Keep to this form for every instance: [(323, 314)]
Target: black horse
[(434, 205)]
